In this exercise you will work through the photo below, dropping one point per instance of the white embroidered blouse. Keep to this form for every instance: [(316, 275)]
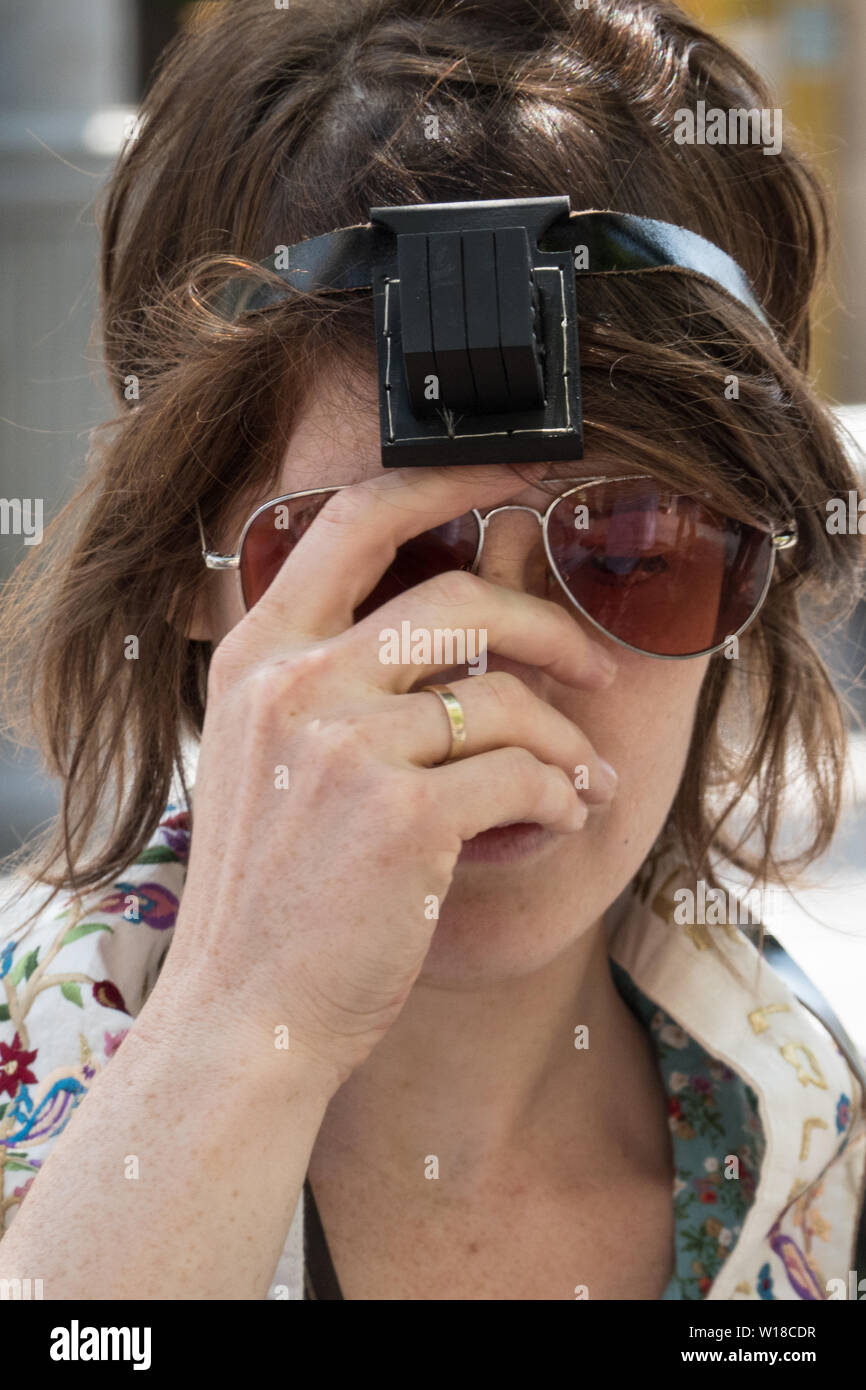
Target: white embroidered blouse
[(766, 1110)]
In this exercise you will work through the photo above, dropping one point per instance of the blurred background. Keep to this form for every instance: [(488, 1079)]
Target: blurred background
[(72, 76)]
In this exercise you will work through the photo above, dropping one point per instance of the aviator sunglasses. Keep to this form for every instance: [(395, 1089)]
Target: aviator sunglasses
[(661, 573)]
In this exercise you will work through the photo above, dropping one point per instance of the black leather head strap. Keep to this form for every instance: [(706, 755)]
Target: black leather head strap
[(475, 315)]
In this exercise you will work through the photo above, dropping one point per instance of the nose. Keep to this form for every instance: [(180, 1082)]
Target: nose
[(513, 551)]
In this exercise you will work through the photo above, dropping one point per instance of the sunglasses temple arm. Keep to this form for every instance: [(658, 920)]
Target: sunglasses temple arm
[(784, 537), (214, 562)]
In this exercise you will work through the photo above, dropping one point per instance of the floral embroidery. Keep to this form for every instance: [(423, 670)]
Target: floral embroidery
[(6, 959), (42, 1119), (107, 994), (175, 833), (800, 1262), (801, 1275), (14, 1062), (113, 1041), (84, 965), (764, 1282), (146, 902), (40, 1104)]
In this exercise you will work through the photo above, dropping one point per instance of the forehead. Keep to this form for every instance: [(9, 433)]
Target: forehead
[(335, 439)]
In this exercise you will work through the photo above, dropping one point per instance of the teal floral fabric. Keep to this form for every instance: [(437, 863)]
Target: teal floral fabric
[(718, 1145)]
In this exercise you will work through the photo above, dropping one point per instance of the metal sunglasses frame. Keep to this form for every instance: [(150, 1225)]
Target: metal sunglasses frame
[(783, 537)]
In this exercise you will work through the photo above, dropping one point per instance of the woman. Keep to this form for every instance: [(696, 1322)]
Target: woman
[(444, 969)]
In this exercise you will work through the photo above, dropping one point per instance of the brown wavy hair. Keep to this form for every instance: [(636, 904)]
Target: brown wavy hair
[(265, 126)]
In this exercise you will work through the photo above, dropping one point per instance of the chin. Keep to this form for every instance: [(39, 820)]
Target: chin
[(509, 914), (519, 900)]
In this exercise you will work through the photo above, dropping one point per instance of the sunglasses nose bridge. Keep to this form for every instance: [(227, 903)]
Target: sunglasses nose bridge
[(484, 519), (510, 507)]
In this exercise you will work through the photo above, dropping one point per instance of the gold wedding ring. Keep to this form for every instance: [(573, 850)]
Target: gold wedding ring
[(456, 718)]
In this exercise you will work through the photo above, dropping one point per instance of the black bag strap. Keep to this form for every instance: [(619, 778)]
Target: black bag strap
[(807, 993), (320, 1277)]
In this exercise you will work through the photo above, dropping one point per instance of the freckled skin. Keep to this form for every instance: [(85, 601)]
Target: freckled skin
[(552, 1161), (642, 727)]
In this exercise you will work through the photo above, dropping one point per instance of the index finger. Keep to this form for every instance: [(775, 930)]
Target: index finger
[(348, 547)]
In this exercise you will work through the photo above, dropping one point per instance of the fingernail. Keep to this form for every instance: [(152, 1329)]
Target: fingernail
[(606, 777)]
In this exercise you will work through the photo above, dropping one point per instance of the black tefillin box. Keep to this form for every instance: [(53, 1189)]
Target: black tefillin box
[(475, 315), (476, 332)]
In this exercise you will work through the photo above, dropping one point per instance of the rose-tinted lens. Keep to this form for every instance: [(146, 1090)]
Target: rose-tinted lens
[(451, 546), (278, 528), (273, 533), (659, 571)]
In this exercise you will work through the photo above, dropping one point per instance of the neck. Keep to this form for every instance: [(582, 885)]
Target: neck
[(488, 1079)]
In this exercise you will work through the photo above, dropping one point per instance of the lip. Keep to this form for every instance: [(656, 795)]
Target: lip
[(504, 844)]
